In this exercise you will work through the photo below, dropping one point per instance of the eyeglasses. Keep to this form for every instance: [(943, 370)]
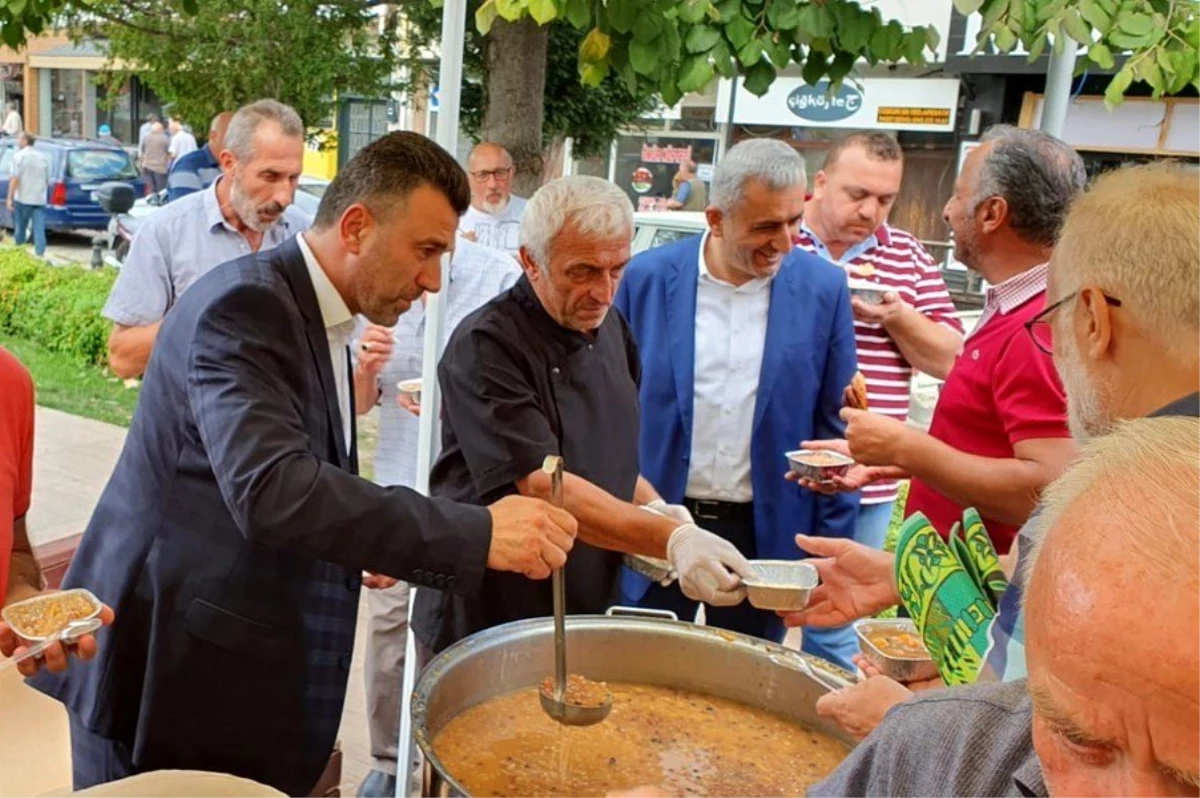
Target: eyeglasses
[(502, 174), (1039, 327)]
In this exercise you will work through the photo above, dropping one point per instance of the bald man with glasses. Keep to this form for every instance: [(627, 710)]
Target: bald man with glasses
[(494, 218)]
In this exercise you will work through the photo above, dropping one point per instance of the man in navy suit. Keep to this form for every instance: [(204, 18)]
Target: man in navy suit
[(746, 346), (232, 537)]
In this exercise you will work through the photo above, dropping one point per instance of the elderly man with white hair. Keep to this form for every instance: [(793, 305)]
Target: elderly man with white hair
[(746, 347), (1111, 705), (546, 369)]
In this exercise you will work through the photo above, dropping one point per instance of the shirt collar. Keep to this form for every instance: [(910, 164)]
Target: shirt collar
[(212, 207), (752, 286), (334, 312), (213, 216), (878, 238), (1017, 290), (524, 294), (1185, 406)]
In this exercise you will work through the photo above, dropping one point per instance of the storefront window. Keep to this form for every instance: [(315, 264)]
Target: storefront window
[(646, 165), (116, 111), (66, 102)]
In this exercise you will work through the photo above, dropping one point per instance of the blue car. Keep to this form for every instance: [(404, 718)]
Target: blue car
[(77, 168)]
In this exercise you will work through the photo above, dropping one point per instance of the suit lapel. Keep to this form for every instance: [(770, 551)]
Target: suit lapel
[(681, 329), (291, 260), (782, 320)]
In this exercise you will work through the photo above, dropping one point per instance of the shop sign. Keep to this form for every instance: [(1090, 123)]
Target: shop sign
[(818, 104), (653, 153)]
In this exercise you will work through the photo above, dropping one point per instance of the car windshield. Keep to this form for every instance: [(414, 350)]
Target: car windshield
[(100, 165)]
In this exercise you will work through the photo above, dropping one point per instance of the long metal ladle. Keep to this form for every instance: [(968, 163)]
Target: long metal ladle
[(556, 705)]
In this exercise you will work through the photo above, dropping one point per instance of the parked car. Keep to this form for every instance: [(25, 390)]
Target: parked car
[(655, 228), (309, 191), (77, 168)]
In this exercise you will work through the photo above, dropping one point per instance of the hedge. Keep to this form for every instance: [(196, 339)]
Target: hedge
[(56, 306)]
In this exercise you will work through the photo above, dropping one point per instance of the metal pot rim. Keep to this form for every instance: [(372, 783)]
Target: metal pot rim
[(508, 632)]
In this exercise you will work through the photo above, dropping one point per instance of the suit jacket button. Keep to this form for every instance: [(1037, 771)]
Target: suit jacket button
[(418, 575), (344, 662), (450, 580), (353, 582), (440, 580)]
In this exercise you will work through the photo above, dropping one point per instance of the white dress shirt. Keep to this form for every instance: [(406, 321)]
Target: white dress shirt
[(731, 333), (339, 330)]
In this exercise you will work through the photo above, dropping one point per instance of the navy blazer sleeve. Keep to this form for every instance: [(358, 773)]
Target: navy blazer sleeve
[(837, 515), (278, 491)]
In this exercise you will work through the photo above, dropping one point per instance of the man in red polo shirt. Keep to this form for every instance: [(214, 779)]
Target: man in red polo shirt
[(999, 432), (915, 326)]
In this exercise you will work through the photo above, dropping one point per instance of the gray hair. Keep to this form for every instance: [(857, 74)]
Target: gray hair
[(773, 162), (1036, 174), (239, 138), (597, 207)]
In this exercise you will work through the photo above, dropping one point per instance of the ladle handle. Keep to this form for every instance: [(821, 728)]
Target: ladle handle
[(553, 465)]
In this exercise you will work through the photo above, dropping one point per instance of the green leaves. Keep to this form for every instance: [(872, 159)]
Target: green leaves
[(1115, 93), (594, 47), (644, 57), (693, 12), (542, 11), (680, 45), (579, 13), (739, 31), (758, 78), (701, 39), (622, 14), (1103, 57), (694, 74), (485, 15), (511, 10), (647, 26)]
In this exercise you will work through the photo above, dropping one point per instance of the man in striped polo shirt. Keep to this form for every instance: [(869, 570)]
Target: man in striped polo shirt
[(914, 327)]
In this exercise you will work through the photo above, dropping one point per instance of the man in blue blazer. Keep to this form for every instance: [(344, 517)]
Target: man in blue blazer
[(232, 537), (746, 347)]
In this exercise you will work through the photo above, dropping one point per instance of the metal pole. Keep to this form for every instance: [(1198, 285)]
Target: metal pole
[(454, 24), (1057, 100)]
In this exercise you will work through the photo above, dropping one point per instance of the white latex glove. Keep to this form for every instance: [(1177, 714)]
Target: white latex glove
[(676, 511), (709, 567)]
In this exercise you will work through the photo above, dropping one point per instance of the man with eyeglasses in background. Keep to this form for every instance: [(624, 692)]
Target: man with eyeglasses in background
[(494, 218)]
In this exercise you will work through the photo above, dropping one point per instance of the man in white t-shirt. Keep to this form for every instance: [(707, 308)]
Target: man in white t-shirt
[(494, 218), (182, 140), (12, 125)]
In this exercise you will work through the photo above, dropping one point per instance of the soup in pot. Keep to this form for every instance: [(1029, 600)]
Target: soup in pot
[(683, 742)]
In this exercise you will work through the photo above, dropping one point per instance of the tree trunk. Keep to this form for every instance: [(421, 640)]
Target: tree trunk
[(516, 59), (554, 159)]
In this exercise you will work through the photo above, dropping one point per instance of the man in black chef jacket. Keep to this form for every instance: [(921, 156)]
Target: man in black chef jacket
[(546, 369)]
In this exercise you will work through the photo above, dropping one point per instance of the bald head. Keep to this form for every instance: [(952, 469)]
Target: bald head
[(216, 132), (1112, 615), (491, 170)]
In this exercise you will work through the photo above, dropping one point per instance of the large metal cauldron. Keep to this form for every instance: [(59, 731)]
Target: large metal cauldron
[(615, 649)]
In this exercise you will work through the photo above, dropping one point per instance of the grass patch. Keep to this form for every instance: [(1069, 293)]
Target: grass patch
[(65, 383)]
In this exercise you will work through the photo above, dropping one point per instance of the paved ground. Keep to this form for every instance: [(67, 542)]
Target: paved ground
[(65, 248)]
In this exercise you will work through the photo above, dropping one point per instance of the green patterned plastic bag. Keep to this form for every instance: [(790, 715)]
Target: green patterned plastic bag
[(951, 612), (985, 563)]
